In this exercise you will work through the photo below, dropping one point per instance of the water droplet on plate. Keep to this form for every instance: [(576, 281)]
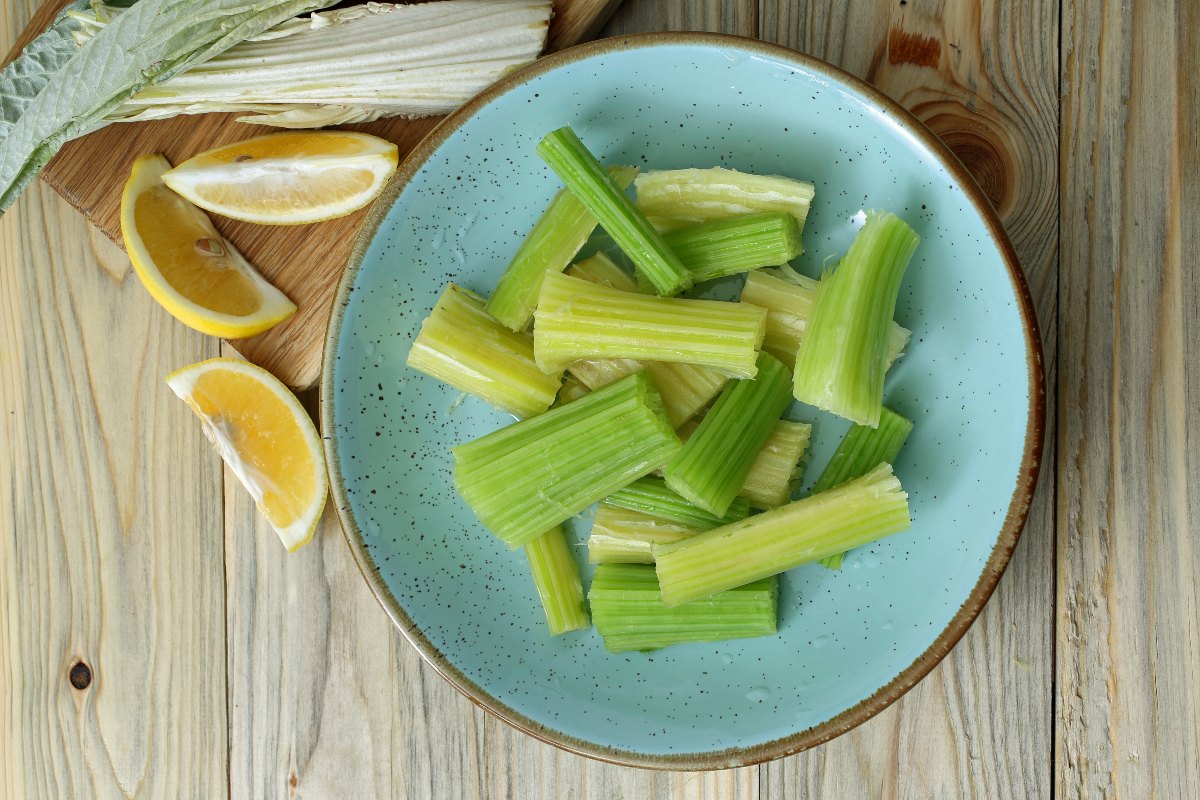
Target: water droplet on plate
[(758, 694), (456, 402), (465, 228), (820, 641)]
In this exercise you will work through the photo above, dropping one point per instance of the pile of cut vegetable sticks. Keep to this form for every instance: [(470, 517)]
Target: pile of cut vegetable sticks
[(667, 410)]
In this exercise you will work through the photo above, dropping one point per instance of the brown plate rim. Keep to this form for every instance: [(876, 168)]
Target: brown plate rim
[(1009, 533)]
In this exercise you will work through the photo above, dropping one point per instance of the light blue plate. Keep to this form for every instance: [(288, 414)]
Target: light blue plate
[(850, 642)]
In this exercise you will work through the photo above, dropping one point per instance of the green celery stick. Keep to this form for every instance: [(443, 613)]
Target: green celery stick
[(577, 320), (788, 297), (556, 577), (524, 479), (712, 466), (718, 193), (857, 512), (621, 536), (665, 224), (789, 305), (861, 450), (556, 237), (725, 247), (597, 372), (686, 430), (607, 201), (864, 448), (843, 357), (777, 467), (652, 496), (572, 389), (601, 269), (629, 613), (645, 513), (460, 344), (594, 373), (685, 388)]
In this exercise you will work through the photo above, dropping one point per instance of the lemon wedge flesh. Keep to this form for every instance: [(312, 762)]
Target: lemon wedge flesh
[(265, 437), (288, 178), (190, 269)]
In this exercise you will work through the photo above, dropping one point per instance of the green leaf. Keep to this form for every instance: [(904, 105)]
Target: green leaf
[(36, 66), (149, 43)]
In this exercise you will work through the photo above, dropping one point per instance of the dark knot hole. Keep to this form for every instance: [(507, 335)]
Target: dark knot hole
[(80, 675)]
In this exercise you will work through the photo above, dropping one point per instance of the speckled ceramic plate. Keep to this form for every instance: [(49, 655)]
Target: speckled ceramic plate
[(850, 642)]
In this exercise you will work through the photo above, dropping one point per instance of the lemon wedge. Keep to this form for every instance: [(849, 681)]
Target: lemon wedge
[(265, 436), (287, 178), (190, 269)]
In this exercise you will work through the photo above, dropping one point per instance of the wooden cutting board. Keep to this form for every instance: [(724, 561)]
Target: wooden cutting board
[(304, 261)]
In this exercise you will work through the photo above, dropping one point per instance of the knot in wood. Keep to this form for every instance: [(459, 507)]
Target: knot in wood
[(80, 675), (982, 153)]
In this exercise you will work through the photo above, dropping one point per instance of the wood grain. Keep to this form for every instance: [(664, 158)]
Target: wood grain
[(578, 21), (1128, 626), (111, 548), (304, 261), (111, 590), (984, 78)]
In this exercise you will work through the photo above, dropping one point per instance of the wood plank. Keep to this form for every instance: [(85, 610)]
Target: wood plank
[(110, 553), (326, 699), (111, 587), (1128, 622), (24, 20), (720, 16), (304, 261), (578, 21), (985, 80)]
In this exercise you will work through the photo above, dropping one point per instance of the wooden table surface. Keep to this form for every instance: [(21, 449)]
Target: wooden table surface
[(157, 642)]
